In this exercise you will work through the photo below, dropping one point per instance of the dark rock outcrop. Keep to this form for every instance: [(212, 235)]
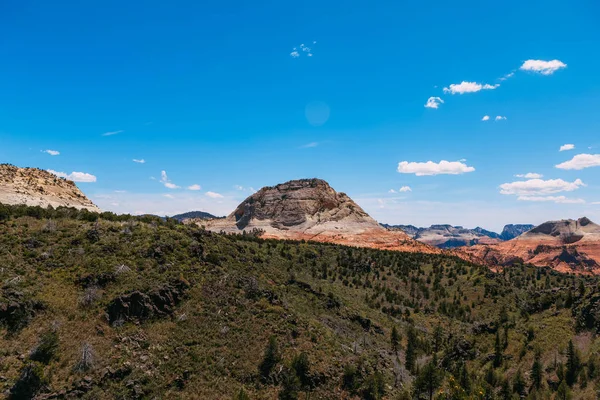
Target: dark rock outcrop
[(141, 306)]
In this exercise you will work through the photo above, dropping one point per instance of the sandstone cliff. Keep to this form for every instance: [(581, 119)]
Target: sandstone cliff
[(36, 187)]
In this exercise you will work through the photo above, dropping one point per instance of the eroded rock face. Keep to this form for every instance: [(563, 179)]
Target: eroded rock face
[(36, 187), (311, 209), (566, 246), (448, 236), (511, 231), (142, 306)]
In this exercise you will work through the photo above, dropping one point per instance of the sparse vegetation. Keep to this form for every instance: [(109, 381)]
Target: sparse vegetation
[(140, 307)]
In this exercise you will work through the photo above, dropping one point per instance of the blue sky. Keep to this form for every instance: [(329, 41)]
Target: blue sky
[(226, 97)]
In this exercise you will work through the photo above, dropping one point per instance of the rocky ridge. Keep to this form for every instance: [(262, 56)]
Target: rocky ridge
[(310, 209), (36, 187), (565, 245)]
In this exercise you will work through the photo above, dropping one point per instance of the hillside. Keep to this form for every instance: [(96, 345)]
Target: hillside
[(118, 307), (200, 215), (565, 245), (310, 209), (36, 187)]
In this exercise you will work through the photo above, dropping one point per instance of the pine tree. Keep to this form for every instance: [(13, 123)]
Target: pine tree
[(395, 339), (563, 392), (519, 383), (497, 351), (410, 355), (437, 338), (572, 364), (537, 370), (270, 359), (428, 380)]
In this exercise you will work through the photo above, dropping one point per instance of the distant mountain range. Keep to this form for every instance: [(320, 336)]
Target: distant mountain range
[(194, 215), (448, 236)]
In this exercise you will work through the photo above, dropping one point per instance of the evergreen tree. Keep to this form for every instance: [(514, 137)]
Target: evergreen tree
[(410, 355), (290, 387), (438, 333), (395, 339), (537, 371), (465, 379), (241, 395), (519, 384), (301, 367), (497, 351), (270, 359), (505, 392), (428, 380), (592, 367), (572, 364), (563, 392)]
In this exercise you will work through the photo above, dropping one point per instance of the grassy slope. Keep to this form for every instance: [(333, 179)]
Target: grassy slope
[(212, 344)]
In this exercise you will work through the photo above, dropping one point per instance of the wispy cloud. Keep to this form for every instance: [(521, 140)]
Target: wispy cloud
[(507, 76), (530, 175), (112, 133), (538, 187), (434, 102), (566, 147), (164, 179), (405, 189), (553, 199), (75, 176), (392, 191), (485, 118), (500, 118), (309, 145), (468, 87), (433, 168), (169, 196), (194, 187), (214, 195), (51, 152), (581, 161), (141, 161), (542, 67), (302, 49)]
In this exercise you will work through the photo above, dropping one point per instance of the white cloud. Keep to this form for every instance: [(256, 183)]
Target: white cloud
[(566, 147), (405, 189), (391, 191), (111, 133), (485, 118), (468, 87), (530, 175), (534, 187), (596, 202), (164, 179), (500, 118), (432, 168), (302, 49), (543, 67), (581, 161), (142, 161), (169, 196), (505, 77), (553, 199), (51, 152), (434, 102), (238, 187), (309, 145), (214, 195), (194, 187), (75, 176)]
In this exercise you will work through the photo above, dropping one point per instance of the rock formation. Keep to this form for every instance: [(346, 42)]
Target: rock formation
[(448, 236), (310, 209), (36, 187), (566, 245)]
